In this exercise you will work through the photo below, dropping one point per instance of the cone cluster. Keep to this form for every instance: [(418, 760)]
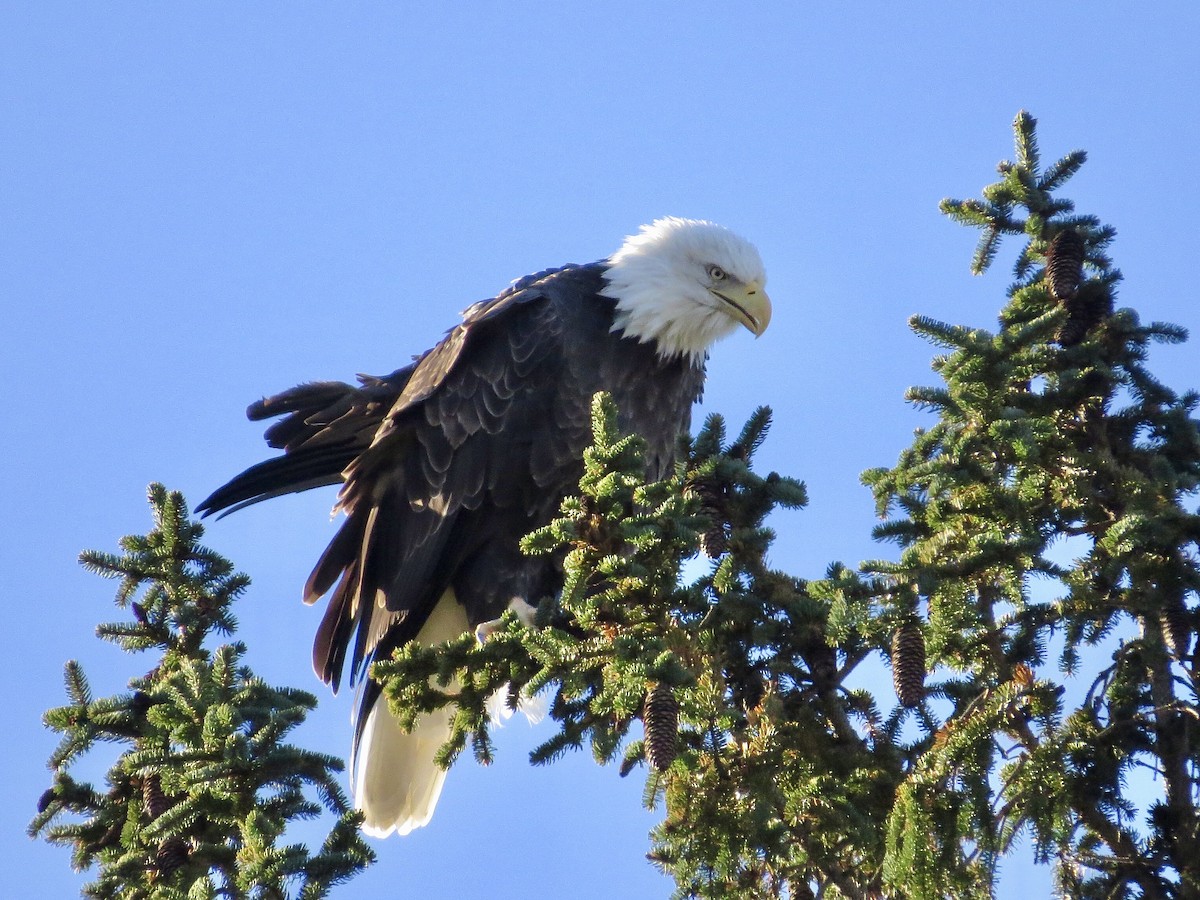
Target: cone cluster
[(660, 717), (1087, 302), (173, 852), (821, 660)]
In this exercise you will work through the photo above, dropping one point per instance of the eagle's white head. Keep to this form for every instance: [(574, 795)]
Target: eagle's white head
[(684, 283)]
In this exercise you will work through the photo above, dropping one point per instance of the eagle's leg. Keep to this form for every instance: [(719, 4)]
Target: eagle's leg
[(534, 708), (525, 612)]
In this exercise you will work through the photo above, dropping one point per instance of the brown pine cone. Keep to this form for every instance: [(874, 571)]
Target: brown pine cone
[(908, 663), (660, 717), (1176, 624), (1087, 308), (174, 850), (714, 540), (152, 795), (1064, 264), (171, 855)]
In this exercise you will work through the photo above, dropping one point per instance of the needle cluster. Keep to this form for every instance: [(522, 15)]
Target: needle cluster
[(204, 786)]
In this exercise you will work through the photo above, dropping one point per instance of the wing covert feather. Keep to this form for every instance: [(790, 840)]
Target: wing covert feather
[(465, 423)]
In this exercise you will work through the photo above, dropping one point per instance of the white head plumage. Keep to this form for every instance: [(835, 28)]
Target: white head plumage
[(684, 283)]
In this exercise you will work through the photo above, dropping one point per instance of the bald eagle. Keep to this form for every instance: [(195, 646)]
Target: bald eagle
[(446, 463)]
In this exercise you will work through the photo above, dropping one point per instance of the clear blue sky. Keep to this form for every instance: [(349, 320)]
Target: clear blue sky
[(200, 203)]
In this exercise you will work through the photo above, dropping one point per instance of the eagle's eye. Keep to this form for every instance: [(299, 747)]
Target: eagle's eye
[(716, 273)]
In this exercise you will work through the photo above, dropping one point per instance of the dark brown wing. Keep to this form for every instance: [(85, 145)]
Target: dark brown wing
[(456, 473)]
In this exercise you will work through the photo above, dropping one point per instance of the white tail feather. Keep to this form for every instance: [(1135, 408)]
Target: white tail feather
[(396, 781)]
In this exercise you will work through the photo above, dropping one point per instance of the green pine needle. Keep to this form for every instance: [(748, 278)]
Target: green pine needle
[(204, 786)]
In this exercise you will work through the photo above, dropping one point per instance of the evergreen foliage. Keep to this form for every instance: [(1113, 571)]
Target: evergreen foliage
[(204, 786), (1039, 621), (769, 783), (1054, 679), (1061, 677)]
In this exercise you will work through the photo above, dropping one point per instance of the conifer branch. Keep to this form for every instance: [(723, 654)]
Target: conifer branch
[(205, 786)]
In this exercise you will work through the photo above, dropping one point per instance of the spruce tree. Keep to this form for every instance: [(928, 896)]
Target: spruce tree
[(1058, 678), (199, 798), (787, 772)]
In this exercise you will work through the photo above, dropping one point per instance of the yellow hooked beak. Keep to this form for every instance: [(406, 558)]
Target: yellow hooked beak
[(748, 303)]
